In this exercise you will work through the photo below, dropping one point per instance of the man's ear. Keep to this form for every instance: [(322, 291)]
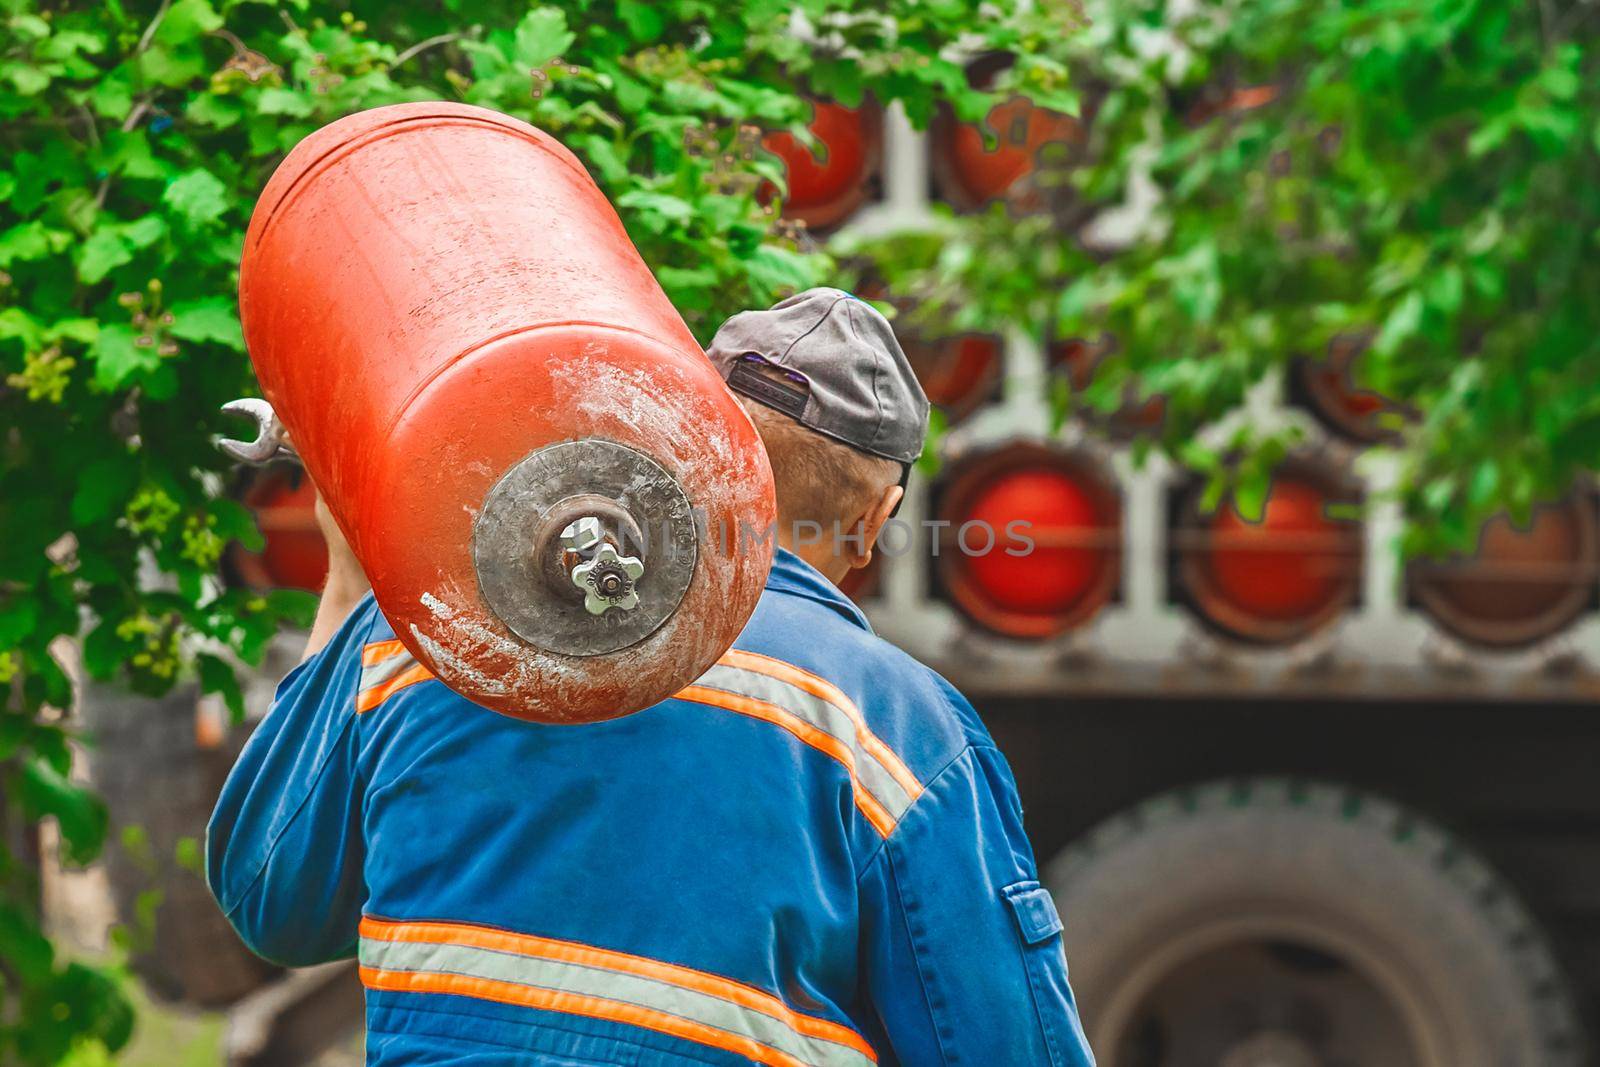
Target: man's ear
[(871, 524)]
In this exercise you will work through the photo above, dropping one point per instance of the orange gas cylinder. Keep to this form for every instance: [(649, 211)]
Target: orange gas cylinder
[(971, 174), (1031, 540), (1327, 387), (1079, 361), (825, 191), (293, 555), (542, 474), (959, 374), (1280, 578), (1217, 100), (1523, 584)]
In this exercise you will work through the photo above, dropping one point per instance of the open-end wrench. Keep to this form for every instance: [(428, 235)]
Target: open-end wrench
[(272, 440)]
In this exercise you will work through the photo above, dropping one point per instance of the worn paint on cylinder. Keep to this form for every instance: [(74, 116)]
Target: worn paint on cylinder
[(431, 292)]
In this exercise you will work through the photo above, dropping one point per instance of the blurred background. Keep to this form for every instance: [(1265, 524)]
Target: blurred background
[(1277, 322)]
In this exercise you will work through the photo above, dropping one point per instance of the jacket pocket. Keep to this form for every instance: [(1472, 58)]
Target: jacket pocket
[(1039, 927)]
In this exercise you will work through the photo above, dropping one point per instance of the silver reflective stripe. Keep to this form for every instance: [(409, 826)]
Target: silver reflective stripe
[(560, 976), (385, 669), (873, 776)]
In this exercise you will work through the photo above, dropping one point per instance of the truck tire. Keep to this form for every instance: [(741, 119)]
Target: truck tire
[(1271, 923), (145, 761)]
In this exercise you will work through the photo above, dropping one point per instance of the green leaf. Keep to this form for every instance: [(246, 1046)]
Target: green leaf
[(118, 356), (632, 95), (1067, 101), (29, 27), (643, 21), (103, 252), (29, 79), (211, 318), (84, 331), (841, 81), (171, 66), (209, 109), (774, 269), (29, 241), (187, 20), (112, 96), (235, 522), (135, 842), (78, 812), (14, 322), (17, 620), (687, 278), (67, 44), (103, 486), (1400, 325), (217, 676), (96, 1015), (1446, 288), (284, 102), (1485, 483), (657, 208), (102, 651), (26, 948), (198, 196), (541, 36), (131, 156), (145, 232), (296, 605), (602, 155), (1250, 495), (187, 852)]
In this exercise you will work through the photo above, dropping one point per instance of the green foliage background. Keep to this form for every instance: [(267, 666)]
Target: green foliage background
[(1427, 178), (136, 136)]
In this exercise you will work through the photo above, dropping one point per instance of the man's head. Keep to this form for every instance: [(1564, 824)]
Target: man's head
[(840, 412)]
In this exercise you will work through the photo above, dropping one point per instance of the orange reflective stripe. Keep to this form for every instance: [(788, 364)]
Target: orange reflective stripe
[(876, 814), (746, 996), (368, 699), (379, 651), (575, 1004), (823, 689)]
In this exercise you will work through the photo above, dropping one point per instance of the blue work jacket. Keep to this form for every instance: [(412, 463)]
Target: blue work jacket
[(813, 855)]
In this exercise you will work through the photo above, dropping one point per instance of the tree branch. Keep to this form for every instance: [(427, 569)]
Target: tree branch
[(150, 30), (423, 46)]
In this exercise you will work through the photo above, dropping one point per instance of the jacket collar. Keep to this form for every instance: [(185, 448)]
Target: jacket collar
[(793, 575)]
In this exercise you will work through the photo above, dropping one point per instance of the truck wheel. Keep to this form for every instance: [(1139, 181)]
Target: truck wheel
[(1269, 923), (145, 761)]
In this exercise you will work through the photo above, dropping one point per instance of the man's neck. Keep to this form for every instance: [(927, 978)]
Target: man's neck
[(819, 554)]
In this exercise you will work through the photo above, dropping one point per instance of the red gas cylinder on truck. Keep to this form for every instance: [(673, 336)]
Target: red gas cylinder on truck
[(825, 191), (544, 477)]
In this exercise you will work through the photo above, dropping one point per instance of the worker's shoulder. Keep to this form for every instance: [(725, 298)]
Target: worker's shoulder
[(390, 673), (831, 656)]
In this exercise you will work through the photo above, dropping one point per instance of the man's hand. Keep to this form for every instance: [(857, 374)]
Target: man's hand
[(347, 583)]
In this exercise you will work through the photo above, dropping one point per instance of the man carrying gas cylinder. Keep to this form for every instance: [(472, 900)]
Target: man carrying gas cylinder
[(813, 855)]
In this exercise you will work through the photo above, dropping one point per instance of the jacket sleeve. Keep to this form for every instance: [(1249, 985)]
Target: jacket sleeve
[(284, 849), (963, 952)]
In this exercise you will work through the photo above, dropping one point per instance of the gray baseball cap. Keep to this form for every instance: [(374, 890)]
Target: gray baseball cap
[(831, 361)]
